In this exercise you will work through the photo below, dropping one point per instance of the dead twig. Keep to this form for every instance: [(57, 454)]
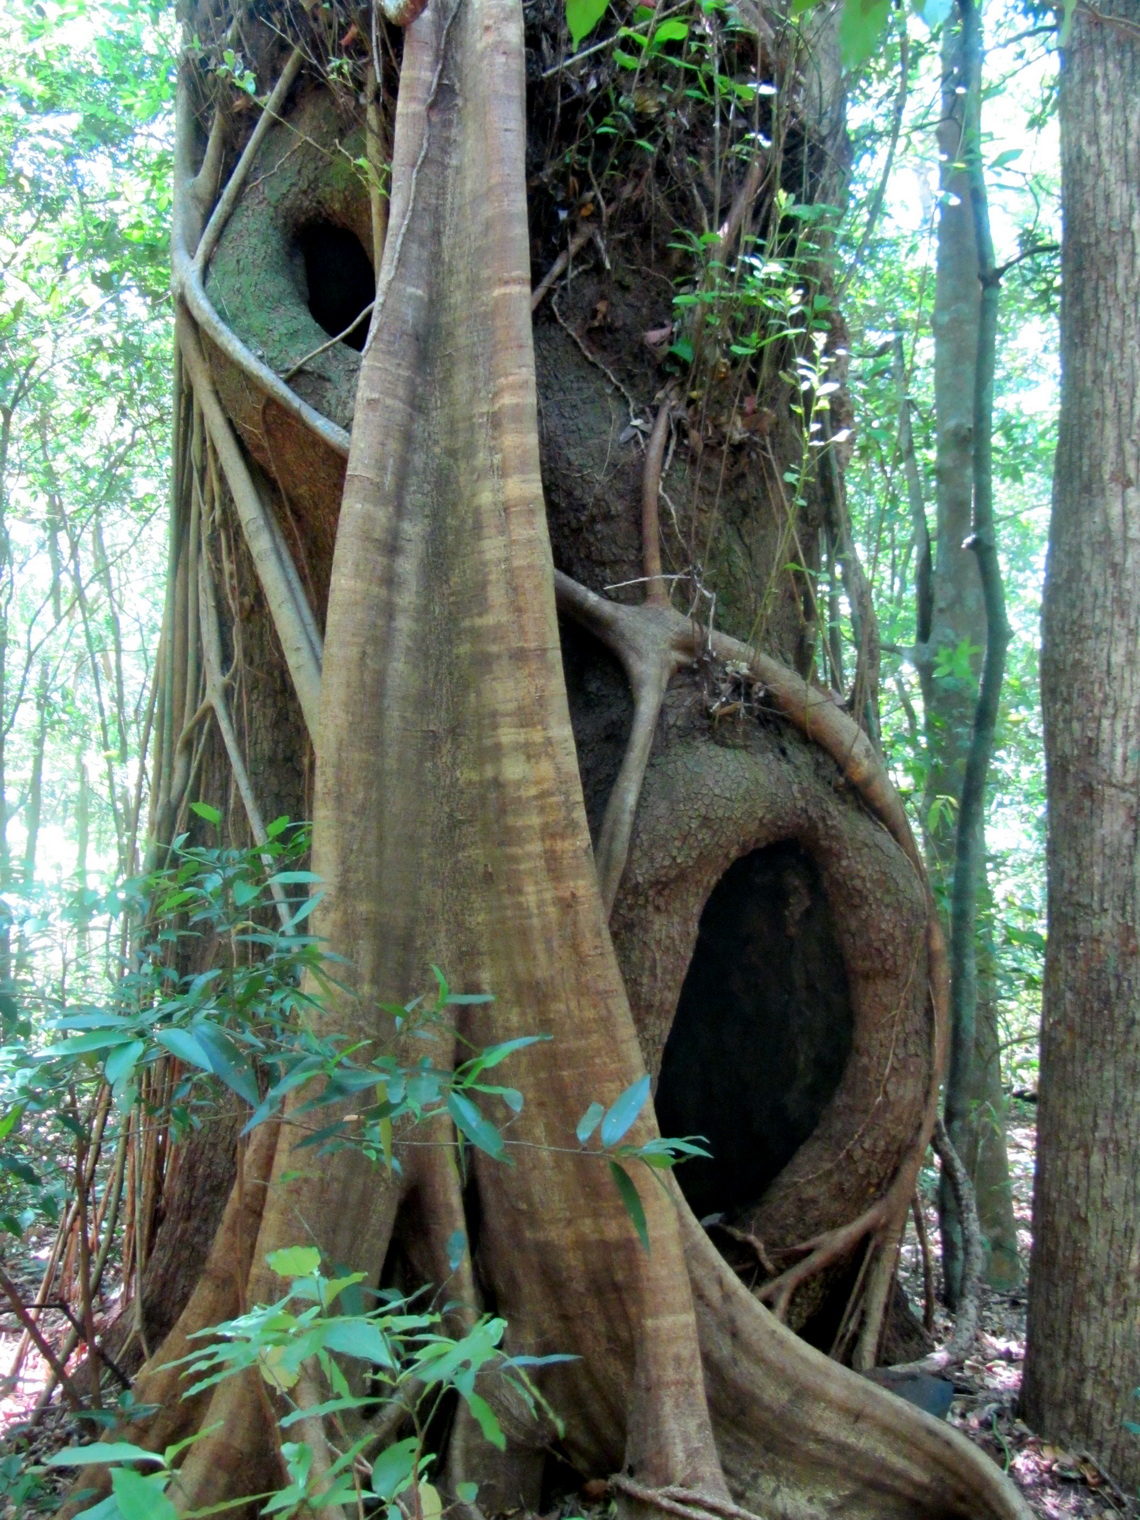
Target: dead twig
[(927, 1264), (560, 265), (656, 587)]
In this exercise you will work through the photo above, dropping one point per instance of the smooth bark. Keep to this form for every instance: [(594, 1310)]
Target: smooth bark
[(953, 613)]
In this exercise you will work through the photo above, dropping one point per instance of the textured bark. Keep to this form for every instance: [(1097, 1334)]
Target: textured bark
[(1083, 1354), (957, 615)]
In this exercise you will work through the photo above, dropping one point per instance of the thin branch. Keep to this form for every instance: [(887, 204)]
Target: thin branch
[(1030, 253), (323, 348)]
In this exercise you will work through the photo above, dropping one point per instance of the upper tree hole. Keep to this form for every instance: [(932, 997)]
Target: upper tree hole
[(762, 1031), (339, 277)]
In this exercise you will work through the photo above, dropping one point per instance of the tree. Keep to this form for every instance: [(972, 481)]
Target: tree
[(398, 619), (951, 636), (1083, 1340)]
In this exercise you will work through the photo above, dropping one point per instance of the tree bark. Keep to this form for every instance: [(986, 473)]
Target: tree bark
[(1083, 1352)]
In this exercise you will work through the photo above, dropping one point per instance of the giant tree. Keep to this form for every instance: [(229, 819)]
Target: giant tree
[(1083, 1351), (514, 595)]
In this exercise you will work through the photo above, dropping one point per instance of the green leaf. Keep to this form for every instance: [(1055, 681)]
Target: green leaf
[(294, 1261), (204, 810), (105, 1039), (19, 1169), (456, 1249), (496, 1053), (467, 1493), (142, 1498), (625, 1111), (471, 1122), (589, 1122), (101, 1452), (488, 1423), (860, 27), (182, 1043), (393, 1469), (305, 909), (228, 1061), (933, 12), (360, 1338), (121, 1062), (582, 16), (631, 1198), (669, 31), (245, 892)]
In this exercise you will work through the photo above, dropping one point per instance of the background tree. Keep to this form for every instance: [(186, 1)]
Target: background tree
[(1084, 1326), (952, 634)]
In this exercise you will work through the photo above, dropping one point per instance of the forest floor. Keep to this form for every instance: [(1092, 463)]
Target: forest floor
[(1058, 1485)]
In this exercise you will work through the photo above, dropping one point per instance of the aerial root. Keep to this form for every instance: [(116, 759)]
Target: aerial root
[(649, 686), (653, 635), (216, 1297), (688, 1503), (822, 1251), (653, 642), (965, 1331)]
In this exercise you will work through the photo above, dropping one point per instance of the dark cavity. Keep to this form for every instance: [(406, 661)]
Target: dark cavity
[(339, 280), (763, 1029)]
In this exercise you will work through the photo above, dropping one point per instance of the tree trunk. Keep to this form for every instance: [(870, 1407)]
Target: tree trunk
[(1083, 1351), (957, 623), (490, 797)]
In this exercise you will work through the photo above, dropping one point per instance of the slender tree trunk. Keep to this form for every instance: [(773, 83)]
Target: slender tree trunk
[(1083, 1355), (950, 651), (6, 592), (33, 808)]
